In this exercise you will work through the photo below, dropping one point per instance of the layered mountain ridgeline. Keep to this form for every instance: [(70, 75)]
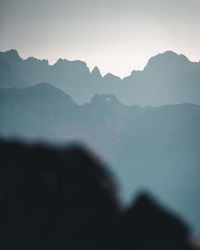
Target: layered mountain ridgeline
[(157, 148), (45, 112), (168, 78)]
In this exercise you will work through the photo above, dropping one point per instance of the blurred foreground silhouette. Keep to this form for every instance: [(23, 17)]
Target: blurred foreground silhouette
[(63, 198)]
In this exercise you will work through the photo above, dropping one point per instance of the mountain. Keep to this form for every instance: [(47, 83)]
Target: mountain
[(70, 197), (168, 78), (8, 78), (71, 76), (169, 62), (154, 148), (96, 74), (33, 111)]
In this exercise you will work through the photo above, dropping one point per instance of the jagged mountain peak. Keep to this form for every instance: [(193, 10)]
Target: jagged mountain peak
[(168, 60), (11, 56), (170, 55), (75, 67), (34, 60), (13, 52), (61, 61), (96, 73)]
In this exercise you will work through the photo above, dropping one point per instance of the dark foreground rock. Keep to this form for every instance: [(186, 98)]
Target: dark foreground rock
[(64, 198)]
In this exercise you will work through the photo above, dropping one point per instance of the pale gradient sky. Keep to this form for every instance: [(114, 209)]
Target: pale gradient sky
[(117, 36)]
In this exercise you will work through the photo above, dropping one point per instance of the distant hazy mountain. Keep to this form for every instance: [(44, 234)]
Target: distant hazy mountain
[(8, 78), (43, 111), (153, 148), (71, 76), (168, 78)]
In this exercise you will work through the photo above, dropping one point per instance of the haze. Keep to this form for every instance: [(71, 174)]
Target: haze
[(117, 36)]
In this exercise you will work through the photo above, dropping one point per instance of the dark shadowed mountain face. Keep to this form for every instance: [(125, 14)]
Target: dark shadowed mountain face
[(65, 198), (149, 148), (168, 78)]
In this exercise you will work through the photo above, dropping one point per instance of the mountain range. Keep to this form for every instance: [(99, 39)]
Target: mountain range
[(146, 126), (168, 78), (153, 148)]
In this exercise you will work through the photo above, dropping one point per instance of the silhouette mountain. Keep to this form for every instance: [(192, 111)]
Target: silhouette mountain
[(169, 62), (153, 147), (168, 78), (34, 110), (96, 74), (54, 198), (146, 219), (8, 78), (64, 198)]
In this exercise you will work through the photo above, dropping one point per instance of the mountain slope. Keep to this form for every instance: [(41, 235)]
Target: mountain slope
[(8, 78), (168, 78), (150, 148)]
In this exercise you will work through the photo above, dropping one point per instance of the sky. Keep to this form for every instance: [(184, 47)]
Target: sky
[(117, 36)]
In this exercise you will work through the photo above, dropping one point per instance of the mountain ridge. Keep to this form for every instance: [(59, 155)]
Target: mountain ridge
[(14, 53), (138, 142), (167, 78)]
